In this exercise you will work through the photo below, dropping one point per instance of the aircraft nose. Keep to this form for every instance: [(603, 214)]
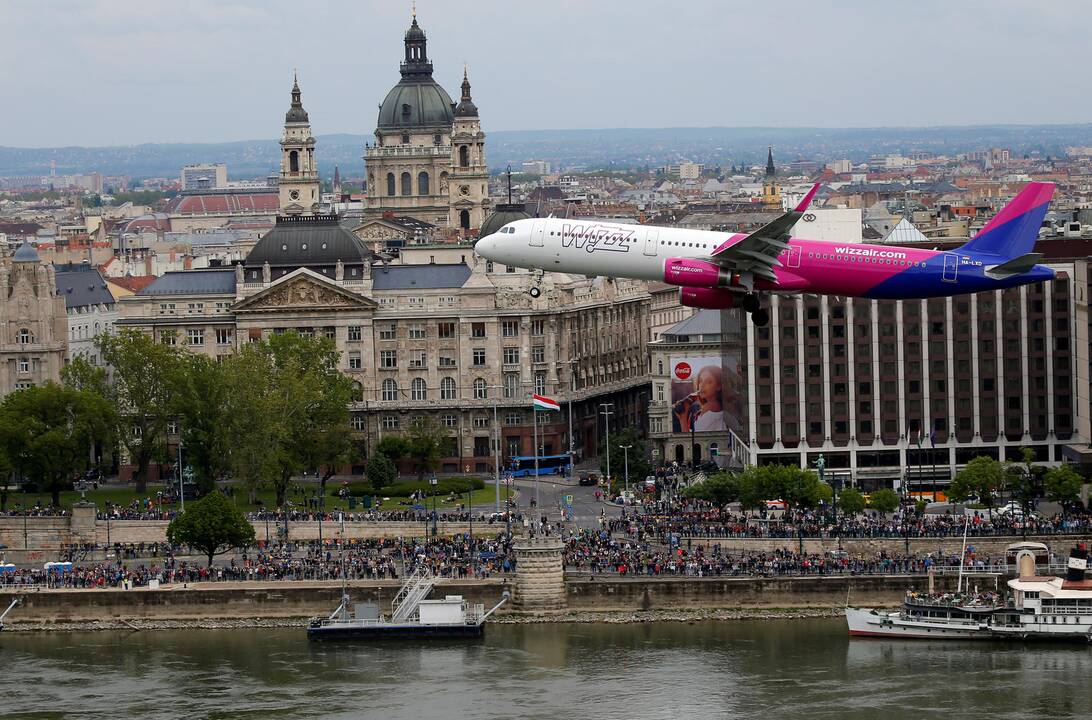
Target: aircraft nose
[(486, 246)]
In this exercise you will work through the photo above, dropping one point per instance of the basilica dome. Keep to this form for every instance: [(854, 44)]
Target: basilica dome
[(417, 101)]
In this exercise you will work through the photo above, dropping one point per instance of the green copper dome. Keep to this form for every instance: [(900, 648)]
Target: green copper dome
[(417, 101)]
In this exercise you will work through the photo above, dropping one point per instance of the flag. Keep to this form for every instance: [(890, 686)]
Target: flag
[(541, 402), (933, 437)]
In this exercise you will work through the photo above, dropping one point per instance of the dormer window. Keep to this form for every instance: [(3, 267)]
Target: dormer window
[(405, 137)]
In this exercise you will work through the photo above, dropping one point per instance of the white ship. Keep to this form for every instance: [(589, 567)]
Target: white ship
[(1038, 608)]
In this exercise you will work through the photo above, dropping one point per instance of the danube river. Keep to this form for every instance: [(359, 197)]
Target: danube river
[(774, 669)]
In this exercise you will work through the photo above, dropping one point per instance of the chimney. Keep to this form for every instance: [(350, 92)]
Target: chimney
[(148, 264), (187, 262), (1078, 563)]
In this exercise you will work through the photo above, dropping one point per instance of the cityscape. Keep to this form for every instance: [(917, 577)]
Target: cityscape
[(415, 367)]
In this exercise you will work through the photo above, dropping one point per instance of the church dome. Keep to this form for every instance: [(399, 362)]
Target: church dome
[(417, 101), (504, 214)]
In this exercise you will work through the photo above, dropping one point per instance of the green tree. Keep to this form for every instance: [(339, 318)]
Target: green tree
[(202, 407), (212, 525), (1062, 485), (252, 423), (883, 500), (48, 432), (395, 447), (719, 489), (1019, 479), (755, 487), (381, 471), (982, 478), (145, 378), (639, 466), (850, 501), (425, 443)]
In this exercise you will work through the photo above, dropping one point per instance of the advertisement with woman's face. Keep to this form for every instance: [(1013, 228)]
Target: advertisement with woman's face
[(702, 395)]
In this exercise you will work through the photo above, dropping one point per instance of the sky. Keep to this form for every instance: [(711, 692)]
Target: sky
[(124, 72)]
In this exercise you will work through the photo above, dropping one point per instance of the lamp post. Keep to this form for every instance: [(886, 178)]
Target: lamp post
[(606, 412), (625, 454), (433, 482), (572, 394), (496, 449)]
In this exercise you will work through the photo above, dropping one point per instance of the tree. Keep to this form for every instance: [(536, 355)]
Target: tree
[(639, 466), (851, 501), (48, 431), (883, 500), (425, 443), (719, 489), (253, 425), (212, 525), (1063, 485), (381, 471), (1020, 480), (981, 478), (394, 447), (145, 379), (754, 487), (202, 407)]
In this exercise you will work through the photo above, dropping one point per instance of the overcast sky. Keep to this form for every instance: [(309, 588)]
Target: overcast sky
[(118, 72)]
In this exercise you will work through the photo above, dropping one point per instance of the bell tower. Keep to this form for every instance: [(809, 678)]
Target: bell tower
[(469, 186), (299, 181), (771, 190)]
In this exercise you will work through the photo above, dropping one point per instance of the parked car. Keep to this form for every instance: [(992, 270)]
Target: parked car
[(588, 478)]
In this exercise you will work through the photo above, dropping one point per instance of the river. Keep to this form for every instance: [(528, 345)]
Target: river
[(772, 669)]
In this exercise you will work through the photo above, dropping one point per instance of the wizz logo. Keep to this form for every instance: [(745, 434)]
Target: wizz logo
[(593, 237)]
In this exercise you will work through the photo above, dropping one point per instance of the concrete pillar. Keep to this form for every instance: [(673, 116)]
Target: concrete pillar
[(540, 577), (82, 525)]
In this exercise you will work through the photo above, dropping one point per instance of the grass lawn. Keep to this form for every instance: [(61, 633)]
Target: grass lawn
[(123, 496)]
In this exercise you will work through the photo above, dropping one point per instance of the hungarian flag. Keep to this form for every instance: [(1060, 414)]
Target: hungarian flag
[(541, 402)]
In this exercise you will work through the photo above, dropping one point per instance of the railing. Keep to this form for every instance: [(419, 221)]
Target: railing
[(416, 589)]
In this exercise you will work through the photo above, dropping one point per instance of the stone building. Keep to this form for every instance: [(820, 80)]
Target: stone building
[(90, 306), (428, 160), (299, 181), (33, 341)]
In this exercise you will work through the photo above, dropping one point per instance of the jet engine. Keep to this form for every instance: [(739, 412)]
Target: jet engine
[(697, 273), (708, 298)]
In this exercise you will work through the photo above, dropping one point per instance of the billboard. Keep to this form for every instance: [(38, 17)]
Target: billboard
[(705, 397)]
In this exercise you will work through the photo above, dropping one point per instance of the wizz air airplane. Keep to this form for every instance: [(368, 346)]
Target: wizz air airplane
[(718, 270)]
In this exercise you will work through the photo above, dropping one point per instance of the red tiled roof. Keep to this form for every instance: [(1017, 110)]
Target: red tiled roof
[(225, 203), (133, 283)]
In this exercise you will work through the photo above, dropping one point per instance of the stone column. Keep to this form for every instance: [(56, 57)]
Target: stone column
[(540, 578), (82, 525)]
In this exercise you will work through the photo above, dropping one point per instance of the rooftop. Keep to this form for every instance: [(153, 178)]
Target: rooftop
[(422, 277), (192, 282)]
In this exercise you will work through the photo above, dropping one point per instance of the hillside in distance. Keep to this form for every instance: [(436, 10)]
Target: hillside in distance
[(619, 148)]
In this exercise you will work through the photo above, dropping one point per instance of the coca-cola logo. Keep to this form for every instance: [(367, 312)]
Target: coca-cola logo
[(683, 370)]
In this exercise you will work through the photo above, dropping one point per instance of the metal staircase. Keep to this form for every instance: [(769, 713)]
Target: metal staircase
[(416, 588)]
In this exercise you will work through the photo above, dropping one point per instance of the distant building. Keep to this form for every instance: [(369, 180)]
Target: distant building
[(90, 308), (204, 177), (299, 180), (33, 322), (536, 167)]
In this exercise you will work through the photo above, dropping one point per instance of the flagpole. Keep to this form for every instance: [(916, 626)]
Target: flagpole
[(534, 414)]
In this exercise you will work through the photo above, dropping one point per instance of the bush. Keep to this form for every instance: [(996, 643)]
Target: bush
[(445, 486)]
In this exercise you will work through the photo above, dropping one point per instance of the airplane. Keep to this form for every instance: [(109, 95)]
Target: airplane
[(717, 270)]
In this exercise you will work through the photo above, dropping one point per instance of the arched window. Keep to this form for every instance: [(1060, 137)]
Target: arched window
[(390, 185), (422, 183), (418, 389), (358, 390), (464, 156), (480, 391), (464, 219), (25, 338), (390, 390), (447, 389), (407, 184), (294, 162), (660, 368), (680, 457)]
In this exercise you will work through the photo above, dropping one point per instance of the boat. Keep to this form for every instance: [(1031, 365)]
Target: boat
[(413, 615), (1037, 608)]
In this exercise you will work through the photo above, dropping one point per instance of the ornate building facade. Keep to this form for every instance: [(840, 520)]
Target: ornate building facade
[(35, 323), (299, 181), (428, 160)]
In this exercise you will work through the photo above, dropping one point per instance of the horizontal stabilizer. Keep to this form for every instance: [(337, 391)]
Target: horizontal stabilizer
[(1016, 266)]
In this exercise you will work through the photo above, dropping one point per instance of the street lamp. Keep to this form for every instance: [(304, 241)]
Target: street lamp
[(625, 454), (433, 482), (496, 447), (606, 412), (181, 487)]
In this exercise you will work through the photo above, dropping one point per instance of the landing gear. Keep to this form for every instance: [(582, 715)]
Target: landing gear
[(761, 317), (751, 303), (535, 291)]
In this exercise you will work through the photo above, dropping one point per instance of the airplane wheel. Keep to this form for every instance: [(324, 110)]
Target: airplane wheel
[(534, 292), (750, 303), (761, 317)]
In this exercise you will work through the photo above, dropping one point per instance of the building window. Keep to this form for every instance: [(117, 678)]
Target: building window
[(447, 389), (479, 357), (511, 356), (25, 338), (510, 328), (24, 365), (540, 383), (477, 330), (538, 354), (416, 332), (388, 359), (449, 421), (390, 185), (538, 327), (447, 361), (418, 389), (224, 336), (422, 183), (407, 184), (389, 422), (354, 361), (418, 359), (354, 333), (445, 330), (481, 392), (167, 338), (386, 332), (513, 419), (390, 390), (464, 156), (195, 337), (481, 421), (356, 422), (511, 385)]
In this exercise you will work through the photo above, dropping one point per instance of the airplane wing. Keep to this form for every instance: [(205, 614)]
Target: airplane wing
[(756, 254)]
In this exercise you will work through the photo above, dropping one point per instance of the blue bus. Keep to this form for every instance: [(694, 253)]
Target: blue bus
[(523, 465)]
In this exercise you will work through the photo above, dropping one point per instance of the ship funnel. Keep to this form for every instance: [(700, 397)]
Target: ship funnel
[(1078, 563), (1025, 565)]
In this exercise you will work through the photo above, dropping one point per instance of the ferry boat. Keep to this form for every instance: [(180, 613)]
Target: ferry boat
[(1039, 608), (412, 615)]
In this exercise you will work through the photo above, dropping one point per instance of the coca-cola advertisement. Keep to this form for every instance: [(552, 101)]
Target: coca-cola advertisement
[(703, 395)]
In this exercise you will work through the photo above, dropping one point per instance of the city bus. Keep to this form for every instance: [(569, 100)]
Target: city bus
[(523, 465)]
